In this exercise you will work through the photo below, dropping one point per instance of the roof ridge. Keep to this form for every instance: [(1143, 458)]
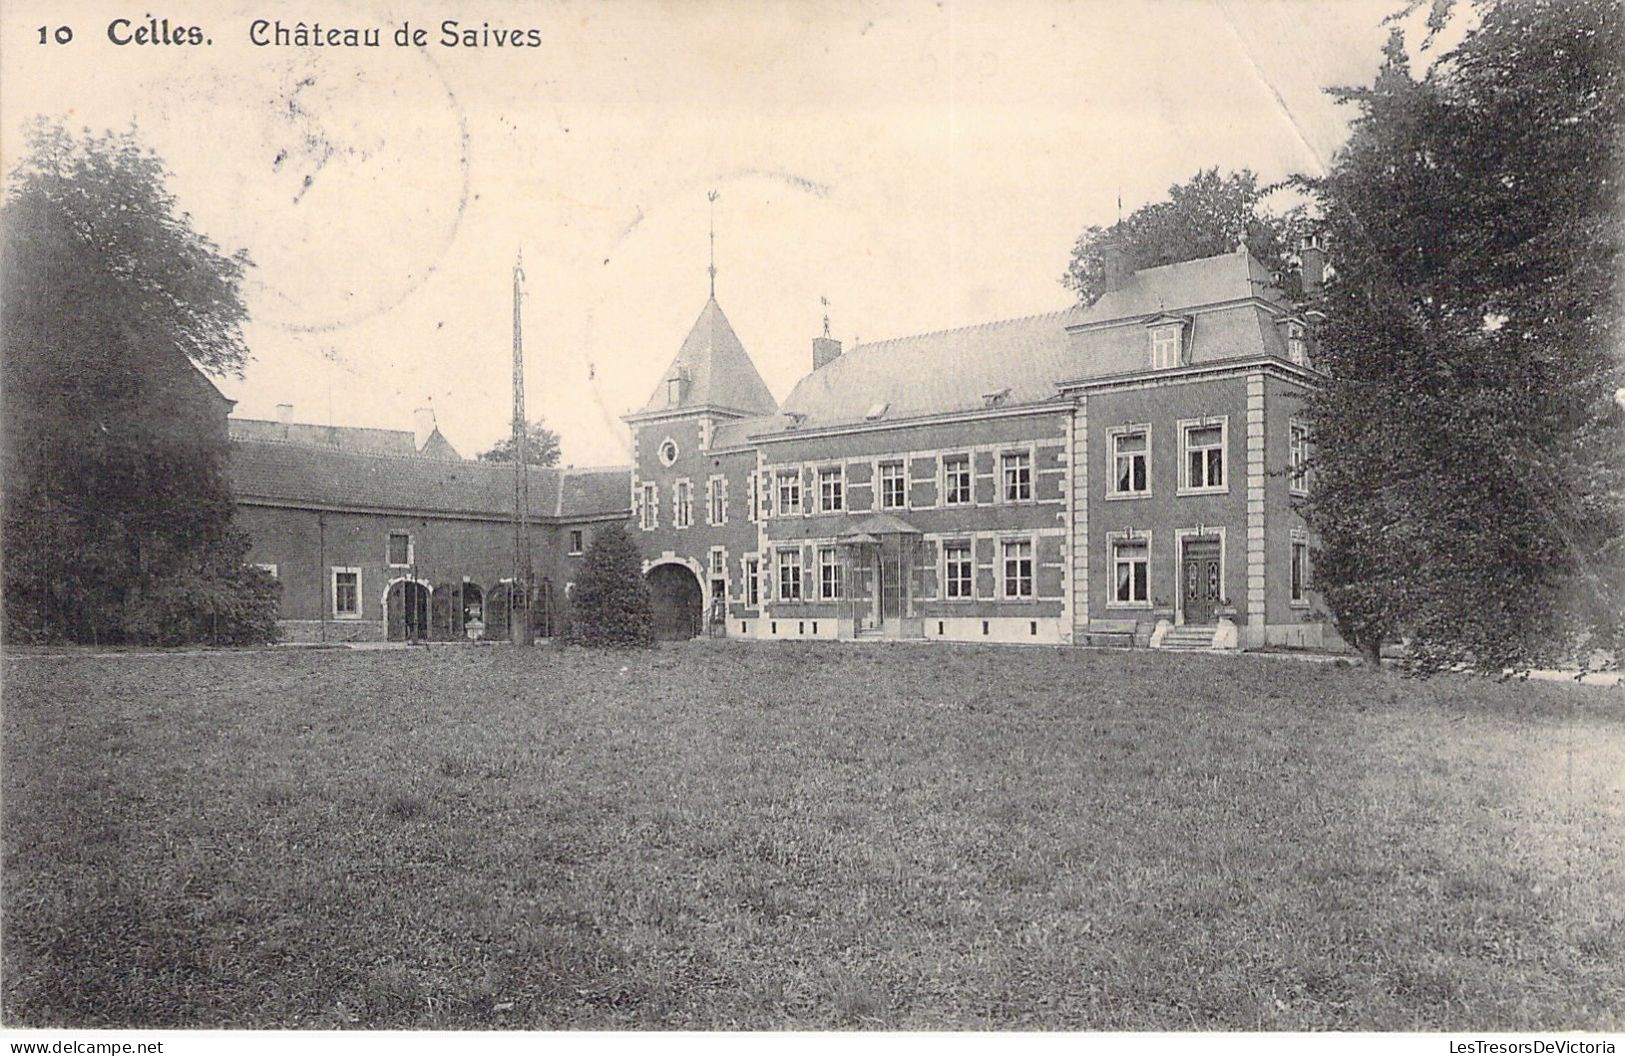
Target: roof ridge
[(984, 325), (414, 459), (318, 425)]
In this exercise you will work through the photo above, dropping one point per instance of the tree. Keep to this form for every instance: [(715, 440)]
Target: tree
[(1203, 217), (114, 444), (1469, 475), (541, 447), (611, 599)]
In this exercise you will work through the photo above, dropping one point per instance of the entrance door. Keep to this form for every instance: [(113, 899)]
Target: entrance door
[(406, 608), (891, 583), (1200, 580), (674, 595)]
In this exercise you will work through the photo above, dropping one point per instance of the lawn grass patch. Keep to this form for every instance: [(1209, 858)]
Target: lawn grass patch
[(800, 835)]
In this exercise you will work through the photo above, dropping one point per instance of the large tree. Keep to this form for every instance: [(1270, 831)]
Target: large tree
[(114, 445), (1203, 217), (541, 447), (610, 605), (1469, 456)]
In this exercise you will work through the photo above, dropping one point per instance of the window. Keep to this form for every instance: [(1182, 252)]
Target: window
[(1297, 344), (829, 574), (1017, 469), (956, 570), (789, 492), (1298, 455), (1131, 458), (1165, 342), (668, 451), (1131, 563), (831, 490), (893, 486), (716, 500), (682, 504), (1018, 568), (649, 511), (1300, 571), (789, 575), (719, 563), (753, 576), (1204, 443), (956, 486), (269, 570), (400, 549), (575, 540), (347, 593), (750, 498)]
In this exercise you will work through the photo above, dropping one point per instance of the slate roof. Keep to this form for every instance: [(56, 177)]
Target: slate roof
[(354, 439), (304, 475), (719, 371), (956, 370)]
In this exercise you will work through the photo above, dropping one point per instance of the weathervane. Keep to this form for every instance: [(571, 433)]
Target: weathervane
[(825, 302), (712, 198)]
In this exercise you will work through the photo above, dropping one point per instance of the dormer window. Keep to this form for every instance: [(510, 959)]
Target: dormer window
[(1297, 344), (994, 399), (1295, 332), (676, 387), (1166, 342)]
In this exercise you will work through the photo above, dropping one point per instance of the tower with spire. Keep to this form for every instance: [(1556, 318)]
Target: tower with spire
[(693, 476)]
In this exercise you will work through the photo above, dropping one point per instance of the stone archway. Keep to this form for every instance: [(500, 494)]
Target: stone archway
[(676, 600), (406, 610)]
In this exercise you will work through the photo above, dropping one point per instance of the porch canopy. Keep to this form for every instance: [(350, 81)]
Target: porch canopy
[(876, 527), (878, 597)]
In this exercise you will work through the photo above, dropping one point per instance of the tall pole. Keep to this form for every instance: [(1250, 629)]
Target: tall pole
[(519, 628)]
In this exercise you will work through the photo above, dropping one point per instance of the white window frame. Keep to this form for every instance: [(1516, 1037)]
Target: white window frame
[(1167, 346), (682, 503), (881, 480), (333, 591), (389, 541), (1113, 540), (1003, 558), (1297, 343), (1298, 456), (750, 566), (1112, 436), (676, 452), (786, 559), (838, 475), (649, 511), (832, 564), (792, 479), (943, 488), (268, 568), (1298, 575), (1004, 477), (1185, 426), (968, 545), (716, 499)]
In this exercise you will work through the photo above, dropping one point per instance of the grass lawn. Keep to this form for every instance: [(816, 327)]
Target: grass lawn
[(806, 836)]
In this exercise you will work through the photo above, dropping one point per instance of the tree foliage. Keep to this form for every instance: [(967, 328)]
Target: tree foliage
[(114, 445), (1202, 217), (1468, 490), (611, 600), (541, 447)]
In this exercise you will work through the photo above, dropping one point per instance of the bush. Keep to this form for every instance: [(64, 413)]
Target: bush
[(611, 600)]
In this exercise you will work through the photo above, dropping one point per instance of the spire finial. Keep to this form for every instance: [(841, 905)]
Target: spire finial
[(711, 197), (825, 302)]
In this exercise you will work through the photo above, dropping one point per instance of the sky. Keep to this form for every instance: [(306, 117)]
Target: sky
[(919, 165)]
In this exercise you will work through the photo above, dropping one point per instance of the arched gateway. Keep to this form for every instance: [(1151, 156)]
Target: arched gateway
[(674, 595)]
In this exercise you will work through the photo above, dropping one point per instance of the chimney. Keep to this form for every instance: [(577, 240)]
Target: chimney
[(1312, 264), (826, 350), (284, 413), (423, 425), (1114, 263)]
